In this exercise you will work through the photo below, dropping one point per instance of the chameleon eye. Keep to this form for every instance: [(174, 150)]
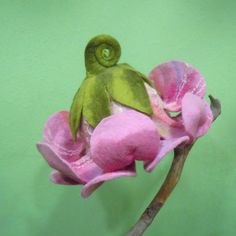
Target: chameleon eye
[(101, 52), (106, 53)]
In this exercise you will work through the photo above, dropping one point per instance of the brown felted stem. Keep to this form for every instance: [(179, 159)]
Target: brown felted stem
[(167, 187)]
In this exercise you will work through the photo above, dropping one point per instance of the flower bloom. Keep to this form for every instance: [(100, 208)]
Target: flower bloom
[(110, 150), (181, 89)]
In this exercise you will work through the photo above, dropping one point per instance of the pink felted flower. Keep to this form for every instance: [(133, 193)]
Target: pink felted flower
[(110, 150), (181, 89), (107, 152), (72, 161), (115, 144)]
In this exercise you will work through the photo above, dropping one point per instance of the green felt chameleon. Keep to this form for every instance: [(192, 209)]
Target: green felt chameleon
[(107, 81)]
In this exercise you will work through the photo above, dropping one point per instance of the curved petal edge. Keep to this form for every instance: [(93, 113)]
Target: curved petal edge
[(167, 146), (92, 185), (197, 115)]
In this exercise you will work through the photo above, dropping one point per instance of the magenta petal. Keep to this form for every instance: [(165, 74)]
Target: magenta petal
[(174, 79), (96, 182), (58, 178), (120, 139), (196, 114), (83, 170), (166, 146), (57, 134)]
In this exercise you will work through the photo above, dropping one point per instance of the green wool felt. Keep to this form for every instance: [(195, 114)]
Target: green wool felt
[(76, 109), (106, 82), (96, 104)]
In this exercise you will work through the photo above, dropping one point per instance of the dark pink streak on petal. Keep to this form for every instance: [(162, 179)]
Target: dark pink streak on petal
[(96, 182), (174, 79), (167, 146)]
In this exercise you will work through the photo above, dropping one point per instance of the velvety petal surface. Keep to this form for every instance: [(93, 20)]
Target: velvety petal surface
[(56, 162), (82, 170), (96, 182), (173, 80), (86, 169), (58, 135), (166, 146), (120, 139), (196, 114)]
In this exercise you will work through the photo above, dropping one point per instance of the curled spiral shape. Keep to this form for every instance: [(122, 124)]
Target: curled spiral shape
[(101, 52)]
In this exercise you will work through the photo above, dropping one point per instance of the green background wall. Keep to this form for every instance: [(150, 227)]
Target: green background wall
[(41, 67)]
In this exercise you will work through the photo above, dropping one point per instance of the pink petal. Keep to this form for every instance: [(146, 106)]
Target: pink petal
[(167, 131), (164, 123), (120, 139), (174, 79), (158, 109), (86, 169), (196, 114), (96, 182), (58, 178), (166, 146), (83, 170), (57, 134), (55, 161)]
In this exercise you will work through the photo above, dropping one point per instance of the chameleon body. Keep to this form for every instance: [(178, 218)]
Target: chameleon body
[(107, 81)]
